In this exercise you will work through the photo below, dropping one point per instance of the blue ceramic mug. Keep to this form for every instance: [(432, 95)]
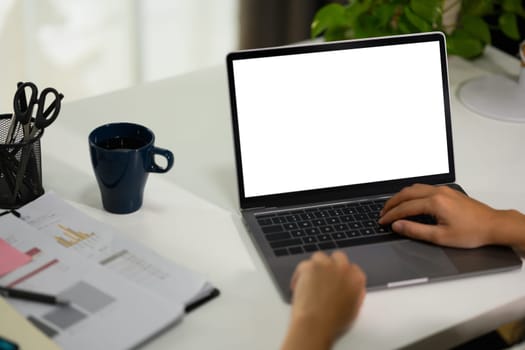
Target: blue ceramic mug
[(122, 155)]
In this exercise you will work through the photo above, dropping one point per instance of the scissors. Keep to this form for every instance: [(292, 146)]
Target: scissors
[(24, 107), (14, 122)]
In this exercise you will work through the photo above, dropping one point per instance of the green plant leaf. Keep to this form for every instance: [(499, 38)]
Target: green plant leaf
[(336, 33), (417, 21), (327, 18), (513, 6), (430, 10), (405, 27), (369, 25), (384, 14), (477, 28), (356, 8), (464, 47), (509, 25), (477, 7)]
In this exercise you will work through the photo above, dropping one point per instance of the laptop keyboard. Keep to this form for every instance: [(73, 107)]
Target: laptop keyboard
[(326, 227)]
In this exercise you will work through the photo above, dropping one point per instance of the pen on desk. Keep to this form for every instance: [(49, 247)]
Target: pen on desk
[(32, 296)]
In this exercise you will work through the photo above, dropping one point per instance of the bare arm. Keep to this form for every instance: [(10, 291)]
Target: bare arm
[(327, 294), (461, 221)]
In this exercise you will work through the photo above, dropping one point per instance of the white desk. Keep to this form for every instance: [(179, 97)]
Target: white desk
[(190, 115)]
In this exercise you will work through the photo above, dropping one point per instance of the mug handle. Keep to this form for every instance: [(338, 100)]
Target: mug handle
[(154, 167)]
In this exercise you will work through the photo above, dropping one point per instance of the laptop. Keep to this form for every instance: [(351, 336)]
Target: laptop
[(325, 133)]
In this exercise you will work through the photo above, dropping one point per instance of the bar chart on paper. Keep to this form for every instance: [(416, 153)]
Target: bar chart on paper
[(78, 233), (47, 272), (70, 237), (72, 231), (100, 247), (102, 303)]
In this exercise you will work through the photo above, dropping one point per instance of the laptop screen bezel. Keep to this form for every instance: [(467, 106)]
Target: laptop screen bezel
[(348, 191)]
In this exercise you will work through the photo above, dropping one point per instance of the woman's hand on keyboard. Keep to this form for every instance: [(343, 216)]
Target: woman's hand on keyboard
[(460, 220)]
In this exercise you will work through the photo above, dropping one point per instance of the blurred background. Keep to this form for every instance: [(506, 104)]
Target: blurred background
[(89, 47)]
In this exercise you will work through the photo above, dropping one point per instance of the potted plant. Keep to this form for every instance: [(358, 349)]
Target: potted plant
[(465, 22)]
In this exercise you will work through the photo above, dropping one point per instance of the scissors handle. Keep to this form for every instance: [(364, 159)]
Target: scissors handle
[(23, 99), (44, 118), (23, 109)]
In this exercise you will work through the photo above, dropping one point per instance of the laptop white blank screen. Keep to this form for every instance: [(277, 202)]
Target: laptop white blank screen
[(335, 118)]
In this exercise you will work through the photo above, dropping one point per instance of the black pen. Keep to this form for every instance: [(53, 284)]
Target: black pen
[(32, 296)]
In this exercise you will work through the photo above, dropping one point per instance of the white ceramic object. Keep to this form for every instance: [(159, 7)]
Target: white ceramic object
[(497, 96)]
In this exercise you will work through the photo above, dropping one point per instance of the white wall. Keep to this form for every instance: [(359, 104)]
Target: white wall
[(88, 47)]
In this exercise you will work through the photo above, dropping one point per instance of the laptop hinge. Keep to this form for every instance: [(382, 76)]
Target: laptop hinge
[(259, 208)]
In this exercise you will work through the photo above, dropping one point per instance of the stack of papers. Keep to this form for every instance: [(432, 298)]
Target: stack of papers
[(122, 293)]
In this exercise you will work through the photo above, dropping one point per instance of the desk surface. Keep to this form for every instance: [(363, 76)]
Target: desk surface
[(190, 115)]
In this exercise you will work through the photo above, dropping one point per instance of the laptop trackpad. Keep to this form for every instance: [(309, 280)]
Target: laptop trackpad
[(401, 261)]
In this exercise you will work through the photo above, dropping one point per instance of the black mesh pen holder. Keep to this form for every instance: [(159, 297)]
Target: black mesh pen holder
[(20, 166)]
